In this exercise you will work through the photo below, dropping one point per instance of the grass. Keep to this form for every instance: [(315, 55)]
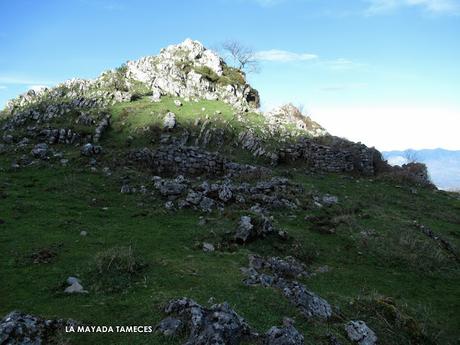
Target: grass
[(45, 207)]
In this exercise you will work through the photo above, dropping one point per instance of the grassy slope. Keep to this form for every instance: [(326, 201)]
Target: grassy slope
[(45, 207)]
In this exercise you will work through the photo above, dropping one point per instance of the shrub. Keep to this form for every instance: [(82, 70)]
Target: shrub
[(208, 73), (232, 76), (116, 269)]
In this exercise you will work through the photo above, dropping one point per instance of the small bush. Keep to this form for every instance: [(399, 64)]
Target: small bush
[(232, 76), (116, 269), (208, 73)]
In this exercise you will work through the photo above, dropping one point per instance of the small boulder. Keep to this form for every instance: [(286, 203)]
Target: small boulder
[(360, 333), (89, 150), (244, 231), (40, 151), (177, 103), (287, 335), (208, 247), (74, 286), (169, 121)]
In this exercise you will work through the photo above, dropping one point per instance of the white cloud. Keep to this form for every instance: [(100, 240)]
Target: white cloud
[(433, 6), (393, 128), (2, 87), (284, 56)]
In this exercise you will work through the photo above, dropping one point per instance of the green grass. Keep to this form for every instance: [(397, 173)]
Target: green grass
[(46, 207)]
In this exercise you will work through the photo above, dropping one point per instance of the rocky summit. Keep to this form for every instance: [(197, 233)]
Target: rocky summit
[(159, 198)]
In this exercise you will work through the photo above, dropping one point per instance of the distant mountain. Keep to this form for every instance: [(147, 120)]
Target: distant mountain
[(443, 165)]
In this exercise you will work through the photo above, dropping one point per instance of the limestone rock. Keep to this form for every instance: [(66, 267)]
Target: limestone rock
[(90, 150), (360, 333), (287, 335), (40, 150), (17, 328), (169, 121), (218, 324), (244, 231)]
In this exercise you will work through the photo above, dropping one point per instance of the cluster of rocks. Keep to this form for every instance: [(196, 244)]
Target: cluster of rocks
[(250, 229), (190, 71), (274, 193), (219, 324), (279, 273), (18, 328), (290, 115), (414, 172)]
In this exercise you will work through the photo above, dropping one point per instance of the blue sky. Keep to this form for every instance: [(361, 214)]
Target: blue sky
[(385, 72)]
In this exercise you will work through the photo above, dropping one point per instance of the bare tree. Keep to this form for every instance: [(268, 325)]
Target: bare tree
[(242, 56)]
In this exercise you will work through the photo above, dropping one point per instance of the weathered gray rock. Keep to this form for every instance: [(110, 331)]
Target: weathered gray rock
[(156, 96), (208, 247), (177, 103), (244, 231), (207, 204), (170, 326), (90, 150), (169, 121), (17, 328), (360, 333), (40, 150), (74, 286), (287, 335), (225, 194), (218, 324)]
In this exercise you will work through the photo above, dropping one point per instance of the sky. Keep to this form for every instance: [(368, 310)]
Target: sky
[(383, 72)]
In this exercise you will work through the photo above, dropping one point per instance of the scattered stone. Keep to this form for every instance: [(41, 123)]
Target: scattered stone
[(169, 121), (89, 150), (244, 231), (170, 326), (218, 324), (40, 151), (177, 103), (169, 205), (207, 204), (156, 96), (309, 304), (225, 193), (287, 335), (208, 247), (83, 233), (360, 333), (17, 328), (74, 286)]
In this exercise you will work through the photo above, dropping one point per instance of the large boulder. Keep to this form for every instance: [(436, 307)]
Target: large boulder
[(18, 328), (218, 324)]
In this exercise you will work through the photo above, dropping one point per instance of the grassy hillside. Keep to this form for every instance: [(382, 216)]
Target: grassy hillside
[(365, 255), (394, 277)]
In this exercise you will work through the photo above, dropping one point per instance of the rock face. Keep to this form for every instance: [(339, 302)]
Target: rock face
[(189, 70), (18, 328), (360, 333)]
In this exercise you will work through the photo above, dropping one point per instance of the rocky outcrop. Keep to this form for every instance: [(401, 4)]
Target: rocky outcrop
[(189, 70), (289, 115), (218, 324), (360, 333), (18, 328), (308, 303)]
